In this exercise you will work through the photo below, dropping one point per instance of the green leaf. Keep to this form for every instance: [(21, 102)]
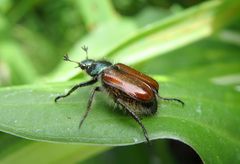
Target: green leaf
[(95, 12), (15, 149), (52, 153), (176, 31), (205, 81), (205, 76), (20, 68), (125, 41), (40, 118)]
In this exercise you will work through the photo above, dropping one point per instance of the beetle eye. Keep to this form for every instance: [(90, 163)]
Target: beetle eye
[(82, 66)]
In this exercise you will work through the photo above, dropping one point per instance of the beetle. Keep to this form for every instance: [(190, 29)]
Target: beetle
[(132, 90)]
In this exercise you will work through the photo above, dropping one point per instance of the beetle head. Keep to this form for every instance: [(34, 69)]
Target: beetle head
[(92, 67), (85, 64)]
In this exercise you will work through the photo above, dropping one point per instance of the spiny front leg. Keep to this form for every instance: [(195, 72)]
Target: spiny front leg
[(90, 82)]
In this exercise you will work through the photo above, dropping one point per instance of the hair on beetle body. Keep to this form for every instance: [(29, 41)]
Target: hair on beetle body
[(140, 108), (135, 92)]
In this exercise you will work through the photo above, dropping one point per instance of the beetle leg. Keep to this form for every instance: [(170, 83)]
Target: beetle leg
[(136, 118), (172, 99), (90, 82), (89, 104)]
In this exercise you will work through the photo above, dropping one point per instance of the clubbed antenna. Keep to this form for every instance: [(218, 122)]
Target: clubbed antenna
[(66, 58), (85, 48)]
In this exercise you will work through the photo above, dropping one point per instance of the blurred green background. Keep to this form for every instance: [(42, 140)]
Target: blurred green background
[(194, 43)]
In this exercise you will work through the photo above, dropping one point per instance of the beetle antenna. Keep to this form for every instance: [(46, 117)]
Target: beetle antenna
[(85, 48), (66, 58)]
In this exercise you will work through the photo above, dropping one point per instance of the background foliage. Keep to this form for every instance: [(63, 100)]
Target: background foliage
[(190, 47)]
